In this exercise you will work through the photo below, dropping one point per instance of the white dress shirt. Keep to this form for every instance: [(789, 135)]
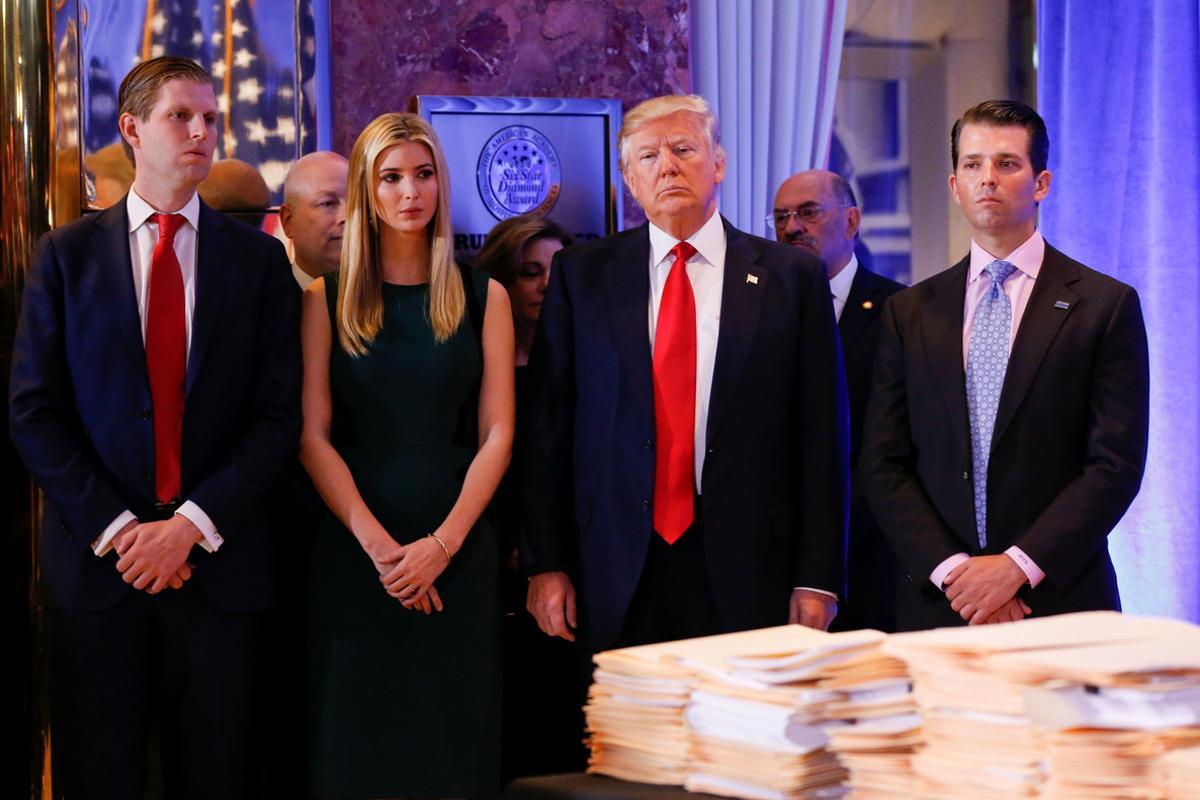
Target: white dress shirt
[(706, 271), (302, 278), (143, 236), (839, 286), (1027, 259)]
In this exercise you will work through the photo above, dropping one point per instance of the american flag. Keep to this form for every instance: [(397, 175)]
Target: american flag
[(256, 91)]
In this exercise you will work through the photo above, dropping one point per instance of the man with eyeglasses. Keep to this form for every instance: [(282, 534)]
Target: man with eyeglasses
[(816, 210)]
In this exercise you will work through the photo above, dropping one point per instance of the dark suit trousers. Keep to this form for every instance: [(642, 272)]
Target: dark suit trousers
[(171, 657), (673, 599)]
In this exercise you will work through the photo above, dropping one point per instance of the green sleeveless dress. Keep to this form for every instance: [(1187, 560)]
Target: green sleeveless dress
[(400, 703)]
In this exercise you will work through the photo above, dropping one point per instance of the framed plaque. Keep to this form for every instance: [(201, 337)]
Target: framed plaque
[(519, 155)]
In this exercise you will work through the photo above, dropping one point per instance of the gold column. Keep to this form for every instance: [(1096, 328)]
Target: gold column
[(39, 188)]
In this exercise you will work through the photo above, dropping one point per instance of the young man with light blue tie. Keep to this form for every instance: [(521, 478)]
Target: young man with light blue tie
[(1007, 428)]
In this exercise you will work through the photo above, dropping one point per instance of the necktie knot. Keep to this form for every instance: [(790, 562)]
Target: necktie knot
[(999, 271), (169, 225), (683, 251)]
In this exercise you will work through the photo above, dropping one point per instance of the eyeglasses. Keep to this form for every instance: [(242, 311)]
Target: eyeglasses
[(808, 215)]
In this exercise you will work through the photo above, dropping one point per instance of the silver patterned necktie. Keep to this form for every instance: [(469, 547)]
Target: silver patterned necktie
[(987, 361)]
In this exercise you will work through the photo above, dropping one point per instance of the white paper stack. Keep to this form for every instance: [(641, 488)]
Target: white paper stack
[(636, 705), (880, 728), (635, 716), (970, 685), (1112, 712), (824, 689), (1181, 773)]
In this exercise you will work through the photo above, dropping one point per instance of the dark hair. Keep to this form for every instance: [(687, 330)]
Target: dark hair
[(1003, 113), (139, 90), (501, 253)]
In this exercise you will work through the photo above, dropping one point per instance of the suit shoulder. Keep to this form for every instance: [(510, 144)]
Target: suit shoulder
[(596, 250), (878, 284), (74, 231), (1092, 280), (83, 225), (255, 245), (246, 232), (909, 300), (785, 259)]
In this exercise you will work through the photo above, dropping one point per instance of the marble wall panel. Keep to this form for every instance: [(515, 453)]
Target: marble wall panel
[(385, 52)]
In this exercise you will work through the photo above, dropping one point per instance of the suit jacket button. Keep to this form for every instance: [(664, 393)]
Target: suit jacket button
[(645, 505), (711, 450), (145, 413), (648, 444), (148, 478), (966, 477)]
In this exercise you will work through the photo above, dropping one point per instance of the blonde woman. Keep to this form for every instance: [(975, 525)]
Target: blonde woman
[(408, 421)]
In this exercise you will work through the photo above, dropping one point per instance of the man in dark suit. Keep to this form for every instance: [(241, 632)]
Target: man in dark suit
[(1006, 431), (686, 435), (816, 210), (155, 399)]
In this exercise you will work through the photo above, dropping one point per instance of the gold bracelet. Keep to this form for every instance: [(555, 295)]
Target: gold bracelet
[(445, 549)]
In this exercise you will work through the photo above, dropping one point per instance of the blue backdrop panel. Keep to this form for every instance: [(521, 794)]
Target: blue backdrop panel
[(1119, 86)]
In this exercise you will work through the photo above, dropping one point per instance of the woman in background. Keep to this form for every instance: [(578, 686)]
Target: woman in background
[(517, 253), (542, 714), (408, 422)]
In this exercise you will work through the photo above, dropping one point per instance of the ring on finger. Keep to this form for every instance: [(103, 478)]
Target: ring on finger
[(412, 589)]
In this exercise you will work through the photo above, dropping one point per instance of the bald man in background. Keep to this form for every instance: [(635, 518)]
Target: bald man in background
[(233, 186), (816, 211), (313, 214)]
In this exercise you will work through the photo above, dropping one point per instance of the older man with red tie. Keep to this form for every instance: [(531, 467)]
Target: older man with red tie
[(686, 436)]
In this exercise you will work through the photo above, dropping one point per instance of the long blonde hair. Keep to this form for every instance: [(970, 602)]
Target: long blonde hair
[(360, 277)]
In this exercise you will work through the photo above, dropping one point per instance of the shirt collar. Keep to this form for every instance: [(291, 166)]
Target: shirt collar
[(709, 241), (839, 285), (1027, 258), (140, 211)]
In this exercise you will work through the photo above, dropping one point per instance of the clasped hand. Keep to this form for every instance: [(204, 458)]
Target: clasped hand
[(408, 572), (153, 555), (983, 590)]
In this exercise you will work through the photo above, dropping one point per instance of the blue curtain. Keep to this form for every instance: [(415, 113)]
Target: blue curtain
[(769, 69), (1119, 87)]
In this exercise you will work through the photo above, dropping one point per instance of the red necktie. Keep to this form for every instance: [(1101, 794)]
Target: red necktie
[(675, 401), (166, 356)]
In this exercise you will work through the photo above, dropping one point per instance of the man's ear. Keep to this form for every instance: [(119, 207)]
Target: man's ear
[(853, 220), (1041, 185), (285, 220), (952, 182), (127, 124)]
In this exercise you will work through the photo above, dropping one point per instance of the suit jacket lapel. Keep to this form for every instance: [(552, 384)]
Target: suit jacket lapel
[(112, 240), (741, 305), (854, 317), (1039, 325), (211, 258), (627, 278), (942, 333)]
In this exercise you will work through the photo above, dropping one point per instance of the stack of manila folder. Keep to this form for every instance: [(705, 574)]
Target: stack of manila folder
[(752, 714), (1181, 773), (1075, 706)]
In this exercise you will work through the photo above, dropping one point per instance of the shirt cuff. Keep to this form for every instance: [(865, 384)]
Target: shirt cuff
[(938, 576), (212, 540), (1031, 570), (103, 542), (818, 591)]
